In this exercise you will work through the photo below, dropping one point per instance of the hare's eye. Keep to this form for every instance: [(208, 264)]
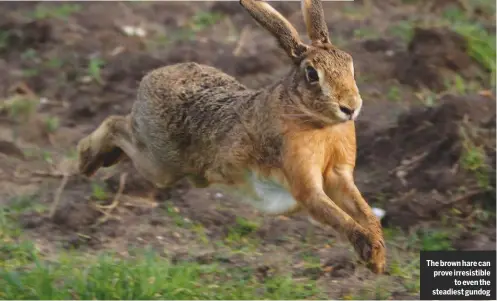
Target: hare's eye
[(311, 74)]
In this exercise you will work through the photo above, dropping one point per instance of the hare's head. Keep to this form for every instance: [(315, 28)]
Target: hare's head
[(322, 82)]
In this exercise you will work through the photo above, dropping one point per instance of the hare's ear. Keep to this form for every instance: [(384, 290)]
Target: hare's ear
[(315, 21), (278, 26)]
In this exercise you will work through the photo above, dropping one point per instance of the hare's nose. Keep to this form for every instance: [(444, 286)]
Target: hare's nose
[(347, 111)]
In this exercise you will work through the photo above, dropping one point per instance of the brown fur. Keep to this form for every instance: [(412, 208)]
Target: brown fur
[(315, 21), (194, 121)]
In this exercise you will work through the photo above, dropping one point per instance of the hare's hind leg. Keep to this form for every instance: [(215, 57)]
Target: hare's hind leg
[(99, 149), (111, 142)]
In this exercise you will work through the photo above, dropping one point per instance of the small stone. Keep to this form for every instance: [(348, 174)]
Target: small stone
[(380, 213)]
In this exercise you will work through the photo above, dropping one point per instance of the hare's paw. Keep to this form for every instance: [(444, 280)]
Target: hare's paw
[(371, 248), (93, 154), (87, 164)]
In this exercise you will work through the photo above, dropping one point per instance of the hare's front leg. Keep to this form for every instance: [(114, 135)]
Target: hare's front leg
[(306, 184), (340, 186)]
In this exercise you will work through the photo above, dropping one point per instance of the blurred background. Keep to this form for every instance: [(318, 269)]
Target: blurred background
[(426, 151)]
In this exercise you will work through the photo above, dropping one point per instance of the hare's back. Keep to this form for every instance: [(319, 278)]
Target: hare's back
[(184, 81), (186, 109), (188, 99)]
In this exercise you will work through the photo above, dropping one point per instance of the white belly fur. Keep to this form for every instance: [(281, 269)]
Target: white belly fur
[(266, 195), (272, 197)]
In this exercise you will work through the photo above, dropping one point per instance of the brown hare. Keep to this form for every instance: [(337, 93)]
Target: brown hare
[(286, 148)]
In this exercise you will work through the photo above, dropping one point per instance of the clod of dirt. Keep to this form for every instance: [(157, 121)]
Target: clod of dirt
[(222, 56), (207, 257), (83, 110), (112, 228), (131, 65), (228, 8), (73, 242), (442, 5), (31, 220), (197, 205), (233, 8), (340, 266), (10, 149), (382, 45), (470, 241), (432, 54), (421, 175), (75, 216), (22, 36), (313, 273), (373, 45), (264, 271)]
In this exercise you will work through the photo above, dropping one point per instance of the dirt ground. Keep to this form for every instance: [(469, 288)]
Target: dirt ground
[(426, 152)]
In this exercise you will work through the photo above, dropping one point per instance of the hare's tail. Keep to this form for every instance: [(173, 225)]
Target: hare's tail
[(102, 147)]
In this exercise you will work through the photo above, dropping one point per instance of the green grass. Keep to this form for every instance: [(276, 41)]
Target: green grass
[(4, 38), (8, 229), (176, 216), (25, 274), (240, 237), (61, 11), (13, 251), (52, 123), (435, 241), (202, 20), (199, 22), (422, 239), (29, 55), (365, 33), (30, 72), (408, 272), (403, 29), (95, 69), (54, 63), (99, 191), (144, 277), (244, 227), (474, 159), (481, 43), (394, 94), (355, 12), (15, 254)]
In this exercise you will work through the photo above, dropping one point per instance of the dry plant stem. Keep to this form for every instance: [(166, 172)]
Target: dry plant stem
[(54, 174), (22, 88), (464, 197), (241, 41), (58, 195)]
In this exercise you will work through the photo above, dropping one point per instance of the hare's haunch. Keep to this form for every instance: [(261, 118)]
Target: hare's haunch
[(286, 148)]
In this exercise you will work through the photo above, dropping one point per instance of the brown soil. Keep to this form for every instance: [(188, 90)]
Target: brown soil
[(431, 55), (419, 160), (408, 158)]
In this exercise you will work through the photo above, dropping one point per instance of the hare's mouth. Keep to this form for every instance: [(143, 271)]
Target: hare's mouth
[(341, 117), (345, 113)]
